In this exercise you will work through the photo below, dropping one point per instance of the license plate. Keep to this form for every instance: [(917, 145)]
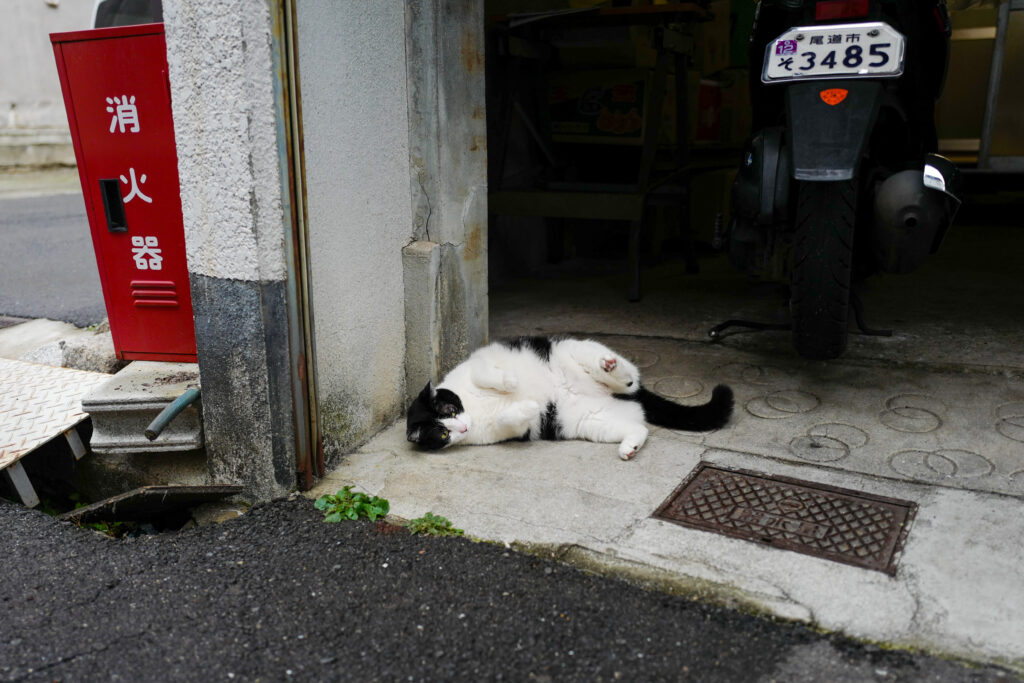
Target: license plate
[(871, 49)]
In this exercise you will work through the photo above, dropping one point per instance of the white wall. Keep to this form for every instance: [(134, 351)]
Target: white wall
[(221, 59), (355, 129), (29, 90), (221, 67), (33, 125), (365, 177)]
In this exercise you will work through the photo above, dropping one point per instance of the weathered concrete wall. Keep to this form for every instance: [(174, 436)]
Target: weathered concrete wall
[(395, 154), (33, 125), (355, 130), (448, 165), (221, 61), (394, 131)]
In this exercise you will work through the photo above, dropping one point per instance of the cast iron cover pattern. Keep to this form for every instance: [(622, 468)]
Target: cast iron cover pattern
[(837, 524)]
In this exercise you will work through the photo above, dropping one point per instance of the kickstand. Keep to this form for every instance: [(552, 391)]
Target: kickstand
[(858, 315)]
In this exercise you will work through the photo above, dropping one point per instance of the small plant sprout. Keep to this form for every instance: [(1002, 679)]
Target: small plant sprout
[(348, 505), (433, 525)]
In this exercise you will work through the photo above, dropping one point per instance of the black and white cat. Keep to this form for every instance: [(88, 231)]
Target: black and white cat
[(532, 388)]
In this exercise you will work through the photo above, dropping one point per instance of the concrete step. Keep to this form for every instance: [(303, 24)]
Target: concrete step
[(123, 407)]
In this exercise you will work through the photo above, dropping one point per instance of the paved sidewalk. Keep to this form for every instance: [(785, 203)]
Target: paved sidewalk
[(39, 182), (958, 587), (933, 415)]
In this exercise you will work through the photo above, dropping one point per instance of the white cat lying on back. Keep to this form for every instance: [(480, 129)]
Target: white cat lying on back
[(532, 388)]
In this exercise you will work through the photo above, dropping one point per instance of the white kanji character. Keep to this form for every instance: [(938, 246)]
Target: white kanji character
[(136, 192), (125, 113), (146, 252)]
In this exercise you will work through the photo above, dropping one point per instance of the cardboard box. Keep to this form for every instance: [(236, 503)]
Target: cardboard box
[(604, 106)]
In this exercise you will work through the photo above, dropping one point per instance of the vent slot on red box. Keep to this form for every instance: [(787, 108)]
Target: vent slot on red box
[(154, 294)]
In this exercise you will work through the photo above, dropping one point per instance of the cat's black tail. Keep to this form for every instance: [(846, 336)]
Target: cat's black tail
[(703, 418)]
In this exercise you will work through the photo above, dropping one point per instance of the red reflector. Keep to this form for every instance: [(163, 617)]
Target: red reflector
[(840, 9), (833, 96)]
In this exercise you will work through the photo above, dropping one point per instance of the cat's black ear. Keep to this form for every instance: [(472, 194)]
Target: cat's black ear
[(427, 392), (413, 435)]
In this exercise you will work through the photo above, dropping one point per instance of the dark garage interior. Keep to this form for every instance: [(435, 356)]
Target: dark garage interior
[(600, 225)]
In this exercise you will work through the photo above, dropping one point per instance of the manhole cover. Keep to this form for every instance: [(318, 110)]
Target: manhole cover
[(837, 524)]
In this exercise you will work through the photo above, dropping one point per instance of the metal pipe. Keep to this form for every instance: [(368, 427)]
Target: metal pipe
[(170, 412)]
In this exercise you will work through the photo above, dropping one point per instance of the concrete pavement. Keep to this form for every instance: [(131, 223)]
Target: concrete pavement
[(931, 415), (39, 182), (958, 587), (60, 344)]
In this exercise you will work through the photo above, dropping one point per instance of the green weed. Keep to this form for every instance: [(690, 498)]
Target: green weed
[(432, 525), (348, 505)]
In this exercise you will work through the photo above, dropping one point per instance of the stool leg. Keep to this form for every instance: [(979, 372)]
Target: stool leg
[(75, 443), (19, 479)]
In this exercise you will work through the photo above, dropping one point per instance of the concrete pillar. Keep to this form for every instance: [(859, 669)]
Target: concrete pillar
[(394, 133), (226, 120), (446, 265)]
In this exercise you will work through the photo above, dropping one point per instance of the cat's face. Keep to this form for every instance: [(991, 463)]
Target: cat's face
[(436, 419)]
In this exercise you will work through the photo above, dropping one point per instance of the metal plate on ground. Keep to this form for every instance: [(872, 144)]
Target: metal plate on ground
[(38, 403), (149, 501), (842, 525)]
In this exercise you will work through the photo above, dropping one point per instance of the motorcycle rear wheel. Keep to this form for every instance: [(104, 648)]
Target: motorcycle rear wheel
[(822, 265)]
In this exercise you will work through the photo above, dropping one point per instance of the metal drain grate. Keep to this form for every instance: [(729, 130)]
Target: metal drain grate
[(837, 524)]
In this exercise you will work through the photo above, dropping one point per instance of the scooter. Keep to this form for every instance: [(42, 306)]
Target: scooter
[(840, 179)]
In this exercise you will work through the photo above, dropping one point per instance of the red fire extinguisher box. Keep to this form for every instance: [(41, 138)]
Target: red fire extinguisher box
[(117, 97)]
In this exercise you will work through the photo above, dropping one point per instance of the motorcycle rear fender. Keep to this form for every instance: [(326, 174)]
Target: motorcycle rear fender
[(828, 140), (913, 211)]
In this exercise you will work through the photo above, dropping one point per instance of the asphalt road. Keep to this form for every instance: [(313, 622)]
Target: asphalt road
[(47, 265), (279, 595)]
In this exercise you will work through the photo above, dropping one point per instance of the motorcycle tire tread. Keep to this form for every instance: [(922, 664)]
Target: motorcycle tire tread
[(822, 267)]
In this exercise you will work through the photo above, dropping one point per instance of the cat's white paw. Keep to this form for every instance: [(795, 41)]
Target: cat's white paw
[(631, 444), (618, 374)]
